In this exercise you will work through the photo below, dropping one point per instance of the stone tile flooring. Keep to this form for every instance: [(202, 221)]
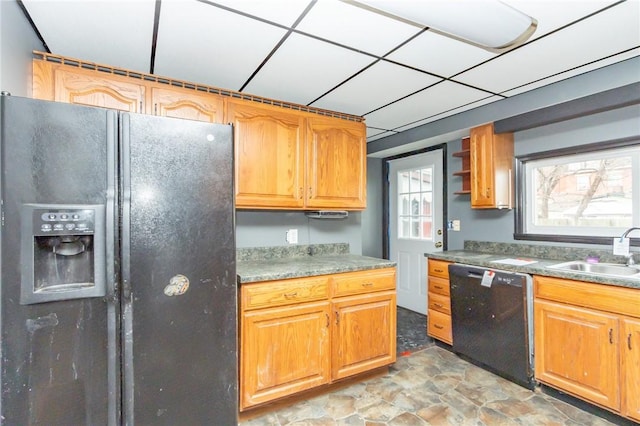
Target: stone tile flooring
[(429, 386)]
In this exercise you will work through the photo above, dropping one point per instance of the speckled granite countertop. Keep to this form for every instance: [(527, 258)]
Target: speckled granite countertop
[(485, 254), (275, 263)]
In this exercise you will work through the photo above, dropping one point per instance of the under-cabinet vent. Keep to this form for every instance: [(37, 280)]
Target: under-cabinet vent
[(328, 214)]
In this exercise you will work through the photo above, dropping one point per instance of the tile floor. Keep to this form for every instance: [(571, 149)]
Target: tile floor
[(429, 385)]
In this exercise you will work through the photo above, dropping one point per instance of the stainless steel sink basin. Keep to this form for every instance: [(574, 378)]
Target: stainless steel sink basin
[(608, 269)]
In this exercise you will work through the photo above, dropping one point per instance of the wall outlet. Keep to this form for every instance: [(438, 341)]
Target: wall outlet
[(291, 236)]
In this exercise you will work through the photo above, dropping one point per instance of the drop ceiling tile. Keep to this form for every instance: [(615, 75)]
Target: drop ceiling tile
[(439, 54), (107, 32), (304, 68), (451, 112), (552, 15), (435, 100), (373, 134), (574, 72), (375, 87), (355, 27), (283, 12), (201, 43), (605, 34)]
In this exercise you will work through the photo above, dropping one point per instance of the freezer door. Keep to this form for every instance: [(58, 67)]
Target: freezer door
[(59, 358), (179, 276)]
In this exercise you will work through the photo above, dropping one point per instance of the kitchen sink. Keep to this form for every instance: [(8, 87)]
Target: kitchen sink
[(608, 269)]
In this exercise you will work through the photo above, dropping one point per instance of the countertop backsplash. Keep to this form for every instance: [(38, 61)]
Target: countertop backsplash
[(292, 251), (543, 251)]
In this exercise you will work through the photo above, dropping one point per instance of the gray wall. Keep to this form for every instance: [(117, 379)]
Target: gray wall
[(372, 216), (268, 228), (17, 41), (498, 225)]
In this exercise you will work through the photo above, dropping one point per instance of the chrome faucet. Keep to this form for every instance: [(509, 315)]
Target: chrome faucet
[(630, 261)]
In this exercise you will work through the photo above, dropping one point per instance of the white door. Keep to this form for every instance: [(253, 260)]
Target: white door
[(415, 223)]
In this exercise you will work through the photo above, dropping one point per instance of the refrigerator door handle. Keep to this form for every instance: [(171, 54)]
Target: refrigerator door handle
[(112, 206), (125, 170)]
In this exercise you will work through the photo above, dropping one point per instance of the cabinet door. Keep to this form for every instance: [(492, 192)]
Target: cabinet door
[(283, 351), (187, 104), (577, 351), (630, 344), (481, 155), (364, 333), (92, 89), (336, 164), (269, 153)]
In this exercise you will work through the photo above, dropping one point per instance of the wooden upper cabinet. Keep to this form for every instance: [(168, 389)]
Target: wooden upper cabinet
[(285, 158), (85, 87), (491, 159), (187, 104), (269, 153), (336, 164)]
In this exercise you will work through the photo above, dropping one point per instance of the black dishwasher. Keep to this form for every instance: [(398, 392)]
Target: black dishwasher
[(491, 317)]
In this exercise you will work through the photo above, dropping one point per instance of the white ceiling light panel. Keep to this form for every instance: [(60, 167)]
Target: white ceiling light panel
[(489, 23), (613, 30), (355, 27)]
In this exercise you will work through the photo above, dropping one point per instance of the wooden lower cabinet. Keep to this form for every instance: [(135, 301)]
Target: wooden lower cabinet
[(587, 342), (630, 342), (302, 333), (439, 301), (577, 350), (286, 350), (364, 333)]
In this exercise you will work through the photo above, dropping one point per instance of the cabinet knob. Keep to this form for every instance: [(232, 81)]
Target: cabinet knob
[(290, 295), (367, 284), (629, 341), (439, 327)]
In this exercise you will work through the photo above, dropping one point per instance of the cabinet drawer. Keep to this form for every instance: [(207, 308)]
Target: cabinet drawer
[(439, 326), (604, 297), (439, 268), (439, 286), (364, 281), (284, 292), (440, 303)]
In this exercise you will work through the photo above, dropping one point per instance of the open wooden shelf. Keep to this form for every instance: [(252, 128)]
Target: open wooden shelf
[(465, 170)]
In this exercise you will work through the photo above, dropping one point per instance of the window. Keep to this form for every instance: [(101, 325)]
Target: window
[(415, 192), (586, 194)]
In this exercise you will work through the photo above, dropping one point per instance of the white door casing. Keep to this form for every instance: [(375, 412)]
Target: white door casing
[(415, 223)]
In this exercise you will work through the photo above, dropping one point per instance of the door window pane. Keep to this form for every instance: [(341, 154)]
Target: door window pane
[(415, 198)]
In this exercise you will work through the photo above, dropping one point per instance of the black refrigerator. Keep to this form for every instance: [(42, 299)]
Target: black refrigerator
[(118, 287)]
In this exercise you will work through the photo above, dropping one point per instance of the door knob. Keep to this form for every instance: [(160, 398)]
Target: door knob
[(438, 244)]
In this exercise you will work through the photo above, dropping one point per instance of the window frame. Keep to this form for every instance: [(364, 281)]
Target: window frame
[(520, 215)]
